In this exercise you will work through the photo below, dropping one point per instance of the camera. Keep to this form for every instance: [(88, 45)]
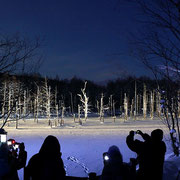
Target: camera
[(105, 156), (13, 145)]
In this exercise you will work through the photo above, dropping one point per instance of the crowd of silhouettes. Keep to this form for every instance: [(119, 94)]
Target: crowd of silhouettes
[(48, 164)]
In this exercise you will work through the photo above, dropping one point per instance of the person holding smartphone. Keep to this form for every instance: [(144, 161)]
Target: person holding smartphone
[(151, 152), (114, 167)]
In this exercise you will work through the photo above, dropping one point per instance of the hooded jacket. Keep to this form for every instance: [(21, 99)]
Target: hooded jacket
[(47, 164)]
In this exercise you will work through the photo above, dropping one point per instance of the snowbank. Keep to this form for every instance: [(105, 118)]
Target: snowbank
[(171, 167)]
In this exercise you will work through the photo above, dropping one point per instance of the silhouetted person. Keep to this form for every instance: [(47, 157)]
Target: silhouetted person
[(10, 162), (4, 161), (47, 164), (22, 157), (150, 153), (93, 176), (114, 168)]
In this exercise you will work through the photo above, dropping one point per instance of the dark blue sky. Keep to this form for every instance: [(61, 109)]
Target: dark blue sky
[(86, 38)]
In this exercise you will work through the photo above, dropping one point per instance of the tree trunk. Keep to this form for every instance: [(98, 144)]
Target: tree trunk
[(152, 104), (135, 101), (125, 107), (144, 102), (102, 108)]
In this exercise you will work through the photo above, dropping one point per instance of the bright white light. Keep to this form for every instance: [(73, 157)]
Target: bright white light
[(9, 143), (16, 146), (106, 158), (3, 138)]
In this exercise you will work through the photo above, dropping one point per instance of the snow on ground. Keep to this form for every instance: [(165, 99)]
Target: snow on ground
[(86, 143)]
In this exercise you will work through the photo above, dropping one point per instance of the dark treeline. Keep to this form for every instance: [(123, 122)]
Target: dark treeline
[(67, 90)]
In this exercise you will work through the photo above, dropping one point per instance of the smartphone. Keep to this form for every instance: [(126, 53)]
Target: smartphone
[(16, 146), (106, 156)]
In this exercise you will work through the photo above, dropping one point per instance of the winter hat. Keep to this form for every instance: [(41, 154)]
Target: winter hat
[(115, 154)]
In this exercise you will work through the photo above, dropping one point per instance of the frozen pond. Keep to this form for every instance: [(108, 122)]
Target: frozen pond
[(86, 143)]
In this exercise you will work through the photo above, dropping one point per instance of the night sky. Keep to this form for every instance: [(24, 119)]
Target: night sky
[(83, 38)]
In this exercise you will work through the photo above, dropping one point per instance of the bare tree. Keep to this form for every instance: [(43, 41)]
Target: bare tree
[(45, 100), (63, 108), (36, 104), (135, 100), (125, 107), (114, 110), (101, 113), (49, 104), (144, 102), (26, 102), (111, 105), (57, 115), (17, 55), (84, 99), (152, 105), (158, 47), (12, 102)]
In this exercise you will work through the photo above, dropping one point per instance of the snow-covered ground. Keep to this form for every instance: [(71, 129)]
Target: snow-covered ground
[(87, 142)]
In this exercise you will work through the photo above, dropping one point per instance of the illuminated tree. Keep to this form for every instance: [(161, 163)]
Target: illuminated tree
[(125, 107), (84, 100), (144, 102), (101, 114), (46, 100)]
